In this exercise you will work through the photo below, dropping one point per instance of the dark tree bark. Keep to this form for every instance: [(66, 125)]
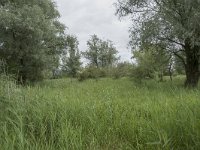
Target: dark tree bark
[(192, 65), (22, 74)]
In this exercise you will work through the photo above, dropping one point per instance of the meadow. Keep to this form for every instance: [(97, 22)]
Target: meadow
[(107, 114)]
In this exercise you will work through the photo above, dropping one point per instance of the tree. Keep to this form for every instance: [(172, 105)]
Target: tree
[(92, 54), (107, 54), (71, 61), (174, 22), (100, 53), (31, 38), (151, 60)]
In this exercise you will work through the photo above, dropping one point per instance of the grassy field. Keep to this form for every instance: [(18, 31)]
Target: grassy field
[(99, 115)]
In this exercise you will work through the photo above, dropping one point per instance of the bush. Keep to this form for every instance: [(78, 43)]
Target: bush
[(123, 69), (140, 73), (92, 73), (83, 76)]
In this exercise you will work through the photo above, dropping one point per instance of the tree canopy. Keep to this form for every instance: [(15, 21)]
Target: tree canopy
[(31, 38), (172, 22), (71, 60), (100, 53)]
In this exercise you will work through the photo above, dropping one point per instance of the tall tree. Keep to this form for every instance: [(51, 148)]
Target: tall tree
[(31, 37), (100, 53), (71, 62), (92, 54), (174, 22), (107, 54)]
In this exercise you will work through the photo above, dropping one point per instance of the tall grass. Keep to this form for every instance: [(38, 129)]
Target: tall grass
[(103, 115)]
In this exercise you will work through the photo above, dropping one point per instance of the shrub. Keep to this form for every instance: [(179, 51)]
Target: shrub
[(82, 75), (140, 73), (91, 73), (123, 69)]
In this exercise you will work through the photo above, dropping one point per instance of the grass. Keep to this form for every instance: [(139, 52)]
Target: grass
[(99, 115)]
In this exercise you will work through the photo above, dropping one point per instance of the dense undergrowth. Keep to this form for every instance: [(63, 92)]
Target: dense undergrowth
[(104, 114)]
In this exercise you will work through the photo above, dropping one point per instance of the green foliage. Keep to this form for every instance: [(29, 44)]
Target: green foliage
[(179, 67), (92, 72), (108, 114), (123, 69), (31, 37), (3, 67), (71, 60), (151, 60), (84, 75), (100, 53), (172, 22)]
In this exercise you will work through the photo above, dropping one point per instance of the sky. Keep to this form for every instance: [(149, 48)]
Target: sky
[(84, 18)]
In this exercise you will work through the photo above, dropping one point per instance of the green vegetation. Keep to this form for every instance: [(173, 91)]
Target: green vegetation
[(173, 23), (104, 114), (100, 53), (151, 60), (71, 63), (31, 39), (140, 110)]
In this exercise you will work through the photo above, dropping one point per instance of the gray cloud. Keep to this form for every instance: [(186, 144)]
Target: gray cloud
[(87, 17)]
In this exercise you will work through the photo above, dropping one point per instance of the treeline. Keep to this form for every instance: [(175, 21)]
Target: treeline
[(151, 61), (34, 46), (101, 57)]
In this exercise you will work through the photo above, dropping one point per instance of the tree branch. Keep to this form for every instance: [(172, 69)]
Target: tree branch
[(180, 57), (173, 41)]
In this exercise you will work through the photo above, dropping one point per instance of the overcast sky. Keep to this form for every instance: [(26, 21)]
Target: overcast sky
[(87, 17)]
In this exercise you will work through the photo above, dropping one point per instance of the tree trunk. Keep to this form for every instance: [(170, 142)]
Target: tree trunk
[(192, 79), (192, 65), (161, 76), (170, 69), (192, 74), (22, 75), (170, 74)]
